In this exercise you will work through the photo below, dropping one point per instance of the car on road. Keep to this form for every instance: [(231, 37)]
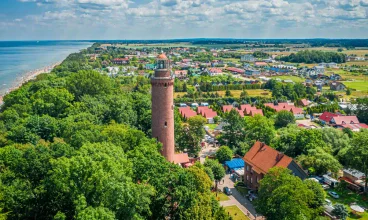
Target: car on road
[(334, 194), (227, 191)]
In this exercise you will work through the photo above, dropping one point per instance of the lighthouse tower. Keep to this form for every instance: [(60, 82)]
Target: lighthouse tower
[(163, 107)]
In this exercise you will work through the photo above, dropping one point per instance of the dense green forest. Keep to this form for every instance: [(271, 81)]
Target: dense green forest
[(75, 144), (314, 56)]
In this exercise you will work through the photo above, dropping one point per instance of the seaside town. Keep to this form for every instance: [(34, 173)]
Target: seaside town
[(190, 131)]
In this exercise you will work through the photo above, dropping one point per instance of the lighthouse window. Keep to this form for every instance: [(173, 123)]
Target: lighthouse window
[(165, 124), (165, 85)]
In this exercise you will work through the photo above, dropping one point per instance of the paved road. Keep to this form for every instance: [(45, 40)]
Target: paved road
[(237, 199)]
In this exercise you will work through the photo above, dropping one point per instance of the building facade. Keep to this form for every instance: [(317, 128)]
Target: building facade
[(260, 158), (163, 107)]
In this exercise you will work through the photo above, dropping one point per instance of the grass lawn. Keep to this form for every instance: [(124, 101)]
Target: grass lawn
[(294, 78), (211, 126), (346, 198), (236, 213), (221, 196)]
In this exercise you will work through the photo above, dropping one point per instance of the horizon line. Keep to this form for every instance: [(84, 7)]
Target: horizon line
[(177, 39)]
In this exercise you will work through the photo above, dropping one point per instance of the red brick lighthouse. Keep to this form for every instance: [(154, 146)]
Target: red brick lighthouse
[(163, 107)]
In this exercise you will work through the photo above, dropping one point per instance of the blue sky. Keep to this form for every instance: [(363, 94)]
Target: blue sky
[(167, 19)]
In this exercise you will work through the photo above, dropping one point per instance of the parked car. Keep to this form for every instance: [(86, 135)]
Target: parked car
[(325, 186), (252, 197), (334, 194), (227, 191)]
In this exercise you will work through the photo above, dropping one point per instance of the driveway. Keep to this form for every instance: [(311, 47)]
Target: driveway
[(237, 199)]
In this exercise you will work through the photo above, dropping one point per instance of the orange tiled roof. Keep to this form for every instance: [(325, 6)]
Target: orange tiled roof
[(262, 158)]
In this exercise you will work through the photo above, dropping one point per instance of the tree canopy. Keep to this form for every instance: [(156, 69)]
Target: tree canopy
[(75, 144)]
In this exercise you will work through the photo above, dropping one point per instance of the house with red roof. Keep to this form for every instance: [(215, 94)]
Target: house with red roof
[(120, 61), (241, 113), (243, 107), (340, 120), (248, 109), (260, 64), (326, 117), (182, 159), (207, 113), (227, 108), (297, 112), (253, 112), (235, 70), (304, 102), (214, 71), (261, 158), (187, 112), (355, 127), (181, 74)]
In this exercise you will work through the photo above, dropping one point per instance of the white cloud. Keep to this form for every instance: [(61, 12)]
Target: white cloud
[(204, 18)]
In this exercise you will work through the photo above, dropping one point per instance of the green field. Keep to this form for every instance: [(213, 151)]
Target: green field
[(358, 85), (295, 79), (236, 213)]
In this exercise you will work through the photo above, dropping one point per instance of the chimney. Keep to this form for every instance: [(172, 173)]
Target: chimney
[(280, 155)]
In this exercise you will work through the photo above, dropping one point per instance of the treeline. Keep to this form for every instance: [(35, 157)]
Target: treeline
[(314, 56), (209, 87), (75, 144), (289, 91)]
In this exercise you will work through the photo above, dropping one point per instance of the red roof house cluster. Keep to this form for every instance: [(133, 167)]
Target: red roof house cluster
[(206, 112), (187, 112), (246, 109), (120, 61), (286, 107), (181, 74), (214, 71), (236, 70), (341, 121)]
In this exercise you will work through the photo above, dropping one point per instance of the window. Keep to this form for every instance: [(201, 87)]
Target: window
[(247, 168), (257, 179), (251, 180), (165, 85), (247, 177), (165, 124)]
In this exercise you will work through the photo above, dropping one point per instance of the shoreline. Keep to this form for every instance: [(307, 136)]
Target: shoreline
[(27, 77)]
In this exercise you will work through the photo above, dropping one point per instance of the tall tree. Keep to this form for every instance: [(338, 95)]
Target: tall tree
[(234, 129), (192, 134), (362, 110), (224, 153), (283, 118), (357, 154), (283, 196), (259, 128)]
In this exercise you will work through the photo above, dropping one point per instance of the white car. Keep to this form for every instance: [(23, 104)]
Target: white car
[(334, 194)]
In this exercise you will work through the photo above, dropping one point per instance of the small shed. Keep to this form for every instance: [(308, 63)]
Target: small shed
[(234, 164)]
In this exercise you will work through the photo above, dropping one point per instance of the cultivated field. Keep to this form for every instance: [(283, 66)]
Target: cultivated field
[(236, 93)]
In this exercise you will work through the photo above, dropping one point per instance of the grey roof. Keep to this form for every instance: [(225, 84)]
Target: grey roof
[(357, 174)]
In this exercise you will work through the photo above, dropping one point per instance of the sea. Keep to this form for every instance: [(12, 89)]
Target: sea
[(17, 58)]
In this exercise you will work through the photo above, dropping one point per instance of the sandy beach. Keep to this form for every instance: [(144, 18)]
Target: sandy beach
[(29, 76)]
